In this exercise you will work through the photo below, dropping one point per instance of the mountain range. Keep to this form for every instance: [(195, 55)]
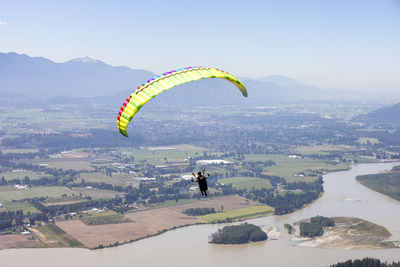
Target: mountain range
[(84, 77), (41, 79)]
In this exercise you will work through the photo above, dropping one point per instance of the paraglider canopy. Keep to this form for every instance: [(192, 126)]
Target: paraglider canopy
[(166, 81)]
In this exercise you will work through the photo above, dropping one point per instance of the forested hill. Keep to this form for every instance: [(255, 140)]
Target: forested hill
[(385, 183), (390, 114)]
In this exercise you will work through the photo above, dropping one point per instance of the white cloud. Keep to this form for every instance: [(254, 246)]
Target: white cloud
[(3, 23)]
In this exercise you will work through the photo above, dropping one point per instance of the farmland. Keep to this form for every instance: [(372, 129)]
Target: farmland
[(9, 193), (160, 154), (15, 206), (115, 178), (51, 235), (288, 167), (68, 167), (95, 193), (246, 182), (20, 174), (139, 224), (108, 217), (17, 241), (237, 214)]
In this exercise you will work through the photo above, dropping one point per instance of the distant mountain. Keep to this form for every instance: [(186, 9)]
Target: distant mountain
[(213, 92), (87, 78), (267, 90), (390, 114), (39, 77), (280, 80)]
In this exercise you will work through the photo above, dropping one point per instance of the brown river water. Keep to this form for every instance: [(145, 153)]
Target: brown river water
[(189, 246)]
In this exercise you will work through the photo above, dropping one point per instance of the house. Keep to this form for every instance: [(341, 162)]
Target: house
[(21, 187), (193, 188), (187, 177)]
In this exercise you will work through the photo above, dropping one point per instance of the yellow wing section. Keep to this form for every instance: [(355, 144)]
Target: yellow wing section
[(166, 81)]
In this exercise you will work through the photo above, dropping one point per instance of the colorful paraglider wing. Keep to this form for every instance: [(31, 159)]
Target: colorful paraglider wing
[(163, 82)]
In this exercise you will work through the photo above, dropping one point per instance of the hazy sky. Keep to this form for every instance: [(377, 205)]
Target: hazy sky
[(347, 44)]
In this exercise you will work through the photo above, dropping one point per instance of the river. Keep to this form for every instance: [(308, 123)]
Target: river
[(189, 246)]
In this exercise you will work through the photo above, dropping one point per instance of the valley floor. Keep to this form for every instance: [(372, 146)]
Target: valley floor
[(137, 225)]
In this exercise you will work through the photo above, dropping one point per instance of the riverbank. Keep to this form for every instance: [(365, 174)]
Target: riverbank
[(145, 223), (387, 183), (135, 225), (181, 246), (351, 233)]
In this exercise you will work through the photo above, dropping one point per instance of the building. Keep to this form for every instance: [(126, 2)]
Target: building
[(145, 179), (187, 177), (21, 187), (212, 161)]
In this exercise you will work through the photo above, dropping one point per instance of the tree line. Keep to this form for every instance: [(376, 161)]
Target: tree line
[(366, 262), (198, 211), (56, 210), (287, 202), (11, 219)]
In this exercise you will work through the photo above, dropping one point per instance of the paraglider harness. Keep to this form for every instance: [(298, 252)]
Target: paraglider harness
[(201, 179)]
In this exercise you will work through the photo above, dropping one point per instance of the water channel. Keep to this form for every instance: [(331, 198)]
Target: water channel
[(189, 246)]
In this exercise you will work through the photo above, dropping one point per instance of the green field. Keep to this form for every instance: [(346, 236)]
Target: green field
[(287, 167), (15, 206), (55, 234), (155, 156), (108, 217), (21, 174), (15, 120), (349, 156), (63, 200), (115, 179), (321, 150), (19, 150), (179, 202), (76, 165), (97, 177), (246, 182), (237, 214), (8, 193), (95, 193)]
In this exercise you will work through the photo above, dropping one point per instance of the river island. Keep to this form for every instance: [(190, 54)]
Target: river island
[(345, 232)]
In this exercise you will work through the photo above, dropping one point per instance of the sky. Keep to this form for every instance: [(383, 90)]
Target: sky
[(344, 44)]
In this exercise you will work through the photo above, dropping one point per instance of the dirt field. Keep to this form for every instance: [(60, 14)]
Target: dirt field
[(228, 202), (146, 222), (17, 241)]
